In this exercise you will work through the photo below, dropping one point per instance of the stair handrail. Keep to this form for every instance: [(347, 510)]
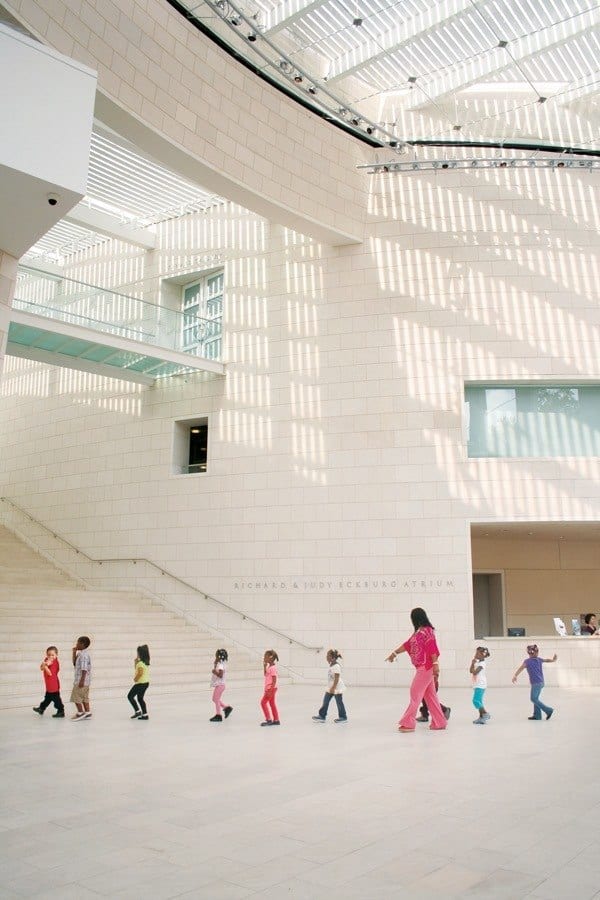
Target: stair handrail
[(163, 571)]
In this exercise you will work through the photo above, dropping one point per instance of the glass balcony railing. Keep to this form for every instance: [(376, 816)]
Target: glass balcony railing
[(77, 303)]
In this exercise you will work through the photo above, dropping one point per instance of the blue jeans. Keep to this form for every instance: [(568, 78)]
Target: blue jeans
[(340, 706), (538, 706)]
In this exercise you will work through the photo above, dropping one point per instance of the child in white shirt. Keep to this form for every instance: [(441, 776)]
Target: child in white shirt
[(335, 688), (477, 670)]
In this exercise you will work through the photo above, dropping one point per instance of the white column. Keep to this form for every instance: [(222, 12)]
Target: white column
[(8, 280)]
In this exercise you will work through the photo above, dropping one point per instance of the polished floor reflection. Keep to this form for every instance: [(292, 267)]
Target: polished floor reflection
[(179, 807)]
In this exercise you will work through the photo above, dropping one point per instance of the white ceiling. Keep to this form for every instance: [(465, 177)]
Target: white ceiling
[(419, 70), (127, 186)]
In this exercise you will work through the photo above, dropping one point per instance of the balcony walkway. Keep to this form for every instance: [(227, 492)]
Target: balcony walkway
[(78, 326)]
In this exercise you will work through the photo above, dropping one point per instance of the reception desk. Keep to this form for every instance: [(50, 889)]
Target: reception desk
[(578, 663)]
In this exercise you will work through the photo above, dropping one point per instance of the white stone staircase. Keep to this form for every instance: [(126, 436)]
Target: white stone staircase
[(40, 606)]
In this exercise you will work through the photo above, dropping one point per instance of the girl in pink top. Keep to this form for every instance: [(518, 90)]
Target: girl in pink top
[(269, 707), (424, 653)]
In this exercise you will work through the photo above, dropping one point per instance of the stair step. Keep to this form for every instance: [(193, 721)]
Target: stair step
[(33, 655), (40, 606)]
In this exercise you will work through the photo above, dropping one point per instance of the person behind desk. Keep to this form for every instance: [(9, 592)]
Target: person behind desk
[(591, 624)]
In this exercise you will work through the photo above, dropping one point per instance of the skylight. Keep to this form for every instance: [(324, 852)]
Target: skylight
[(363, 52)]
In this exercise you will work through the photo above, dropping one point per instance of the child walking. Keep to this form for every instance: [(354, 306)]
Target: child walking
[(479, 677), (267, 702), (141, 681), (80, 695), (335, 688), (535, 670), (50, 667), (424, 709), (217, 682)]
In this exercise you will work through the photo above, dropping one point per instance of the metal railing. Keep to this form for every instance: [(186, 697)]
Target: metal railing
[(109, 312), (163, 572)]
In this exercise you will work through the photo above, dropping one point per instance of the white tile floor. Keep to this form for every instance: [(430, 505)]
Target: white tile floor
[(179, 807)]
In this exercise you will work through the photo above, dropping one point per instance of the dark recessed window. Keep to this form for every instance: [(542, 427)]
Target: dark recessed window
[(190, 446), (198, 448)]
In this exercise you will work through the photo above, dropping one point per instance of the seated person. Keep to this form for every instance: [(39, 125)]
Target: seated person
[(591, 624)]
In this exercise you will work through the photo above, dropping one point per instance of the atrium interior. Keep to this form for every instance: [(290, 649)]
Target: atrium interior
[(299, 331)]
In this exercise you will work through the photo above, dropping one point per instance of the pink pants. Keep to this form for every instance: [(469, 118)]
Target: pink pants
[(269, 708), (423, 688), (217, 694)]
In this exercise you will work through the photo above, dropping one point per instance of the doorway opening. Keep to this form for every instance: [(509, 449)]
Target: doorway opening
[(488, 604)]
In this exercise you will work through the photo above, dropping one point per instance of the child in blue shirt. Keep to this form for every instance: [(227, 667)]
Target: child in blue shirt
[(534, 665)]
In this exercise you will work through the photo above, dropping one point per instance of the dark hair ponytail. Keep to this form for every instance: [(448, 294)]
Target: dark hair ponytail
[(419, 618), (144, 654), (335, 653)]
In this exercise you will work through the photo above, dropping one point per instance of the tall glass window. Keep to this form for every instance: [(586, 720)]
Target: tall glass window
[(533, 420), (203, 311)]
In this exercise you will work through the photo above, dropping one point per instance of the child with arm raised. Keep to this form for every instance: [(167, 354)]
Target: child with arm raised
[(534, 665)]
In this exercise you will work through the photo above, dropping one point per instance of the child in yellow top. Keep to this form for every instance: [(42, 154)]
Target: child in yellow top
[(141, 678)]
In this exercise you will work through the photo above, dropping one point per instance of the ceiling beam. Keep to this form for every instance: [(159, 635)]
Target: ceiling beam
[(329, 227), (50, 268), (100, 222), (287, 12), (402, 34)]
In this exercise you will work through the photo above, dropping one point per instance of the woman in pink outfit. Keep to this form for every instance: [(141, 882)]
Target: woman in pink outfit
[(424, 654)]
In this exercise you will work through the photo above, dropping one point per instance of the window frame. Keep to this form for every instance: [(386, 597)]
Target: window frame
[(206, 311), (181, 445)]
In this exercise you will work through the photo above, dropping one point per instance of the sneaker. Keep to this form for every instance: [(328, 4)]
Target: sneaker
[(266, 722), (446, 712), (339, 721), (59, 715), (534, 718), (422, 718), (216, 719), (227, 710), (77, 716), (549, 714), (319, 719), (275, 722), (86, 715), (486, 717), (143, 718), (39, 711), (136, 715), (479, 721)]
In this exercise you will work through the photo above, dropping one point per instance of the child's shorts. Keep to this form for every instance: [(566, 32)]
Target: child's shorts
[(80, 694)]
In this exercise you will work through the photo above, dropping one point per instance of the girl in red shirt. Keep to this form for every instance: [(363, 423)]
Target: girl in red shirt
[(424, 654)]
